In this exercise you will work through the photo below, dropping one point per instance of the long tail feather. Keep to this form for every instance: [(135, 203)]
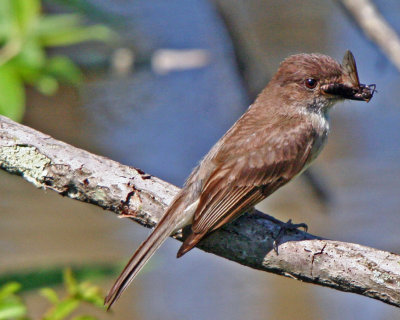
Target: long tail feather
[(191, 241), (161, 232)]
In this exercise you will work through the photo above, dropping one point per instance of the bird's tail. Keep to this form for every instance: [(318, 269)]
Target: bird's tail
[(162, 231)]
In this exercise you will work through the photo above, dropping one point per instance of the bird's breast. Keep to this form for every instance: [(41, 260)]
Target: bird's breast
[(320, 125)]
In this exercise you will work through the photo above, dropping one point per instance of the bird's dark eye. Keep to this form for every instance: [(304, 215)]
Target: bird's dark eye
[(310, 83)]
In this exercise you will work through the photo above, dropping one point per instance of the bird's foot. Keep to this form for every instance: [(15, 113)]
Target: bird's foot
[(284, 227)]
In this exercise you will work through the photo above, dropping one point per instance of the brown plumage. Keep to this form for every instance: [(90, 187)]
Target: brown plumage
[(274, 141)]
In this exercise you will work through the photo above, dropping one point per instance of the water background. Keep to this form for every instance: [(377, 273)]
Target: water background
[(147, 120)]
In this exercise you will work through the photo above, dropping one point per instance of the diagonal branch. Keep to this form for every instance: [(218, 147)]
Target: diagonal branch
[(376, 28), (78, 174)]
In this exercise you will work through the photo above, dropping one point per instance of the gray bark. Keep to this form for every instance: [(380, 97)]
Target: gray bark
[(78, 174)]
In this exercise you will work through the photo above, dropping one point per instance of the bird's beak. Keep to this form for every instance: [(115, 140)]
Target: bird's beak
[(350, 87), (361, 92)]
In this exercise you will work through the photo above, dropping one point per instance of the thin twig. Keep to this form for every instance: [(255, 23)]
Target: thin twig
[(374, 25)]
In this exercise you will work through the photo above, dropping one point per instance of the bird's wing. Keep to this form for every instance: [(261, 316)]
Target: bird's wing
[(243, 178)]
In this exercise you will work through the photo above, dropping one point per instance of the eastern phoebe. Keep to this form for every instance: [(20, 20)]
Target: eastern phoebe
[(277, 138)]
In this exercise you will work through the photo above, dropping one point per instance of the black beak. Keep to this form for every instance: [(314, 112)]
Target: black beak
[(355, 90), (362, 93)]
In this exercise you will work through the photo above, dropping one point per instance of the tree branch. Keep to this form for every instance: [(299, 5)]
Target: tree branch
[(78, 174), (374, 25)]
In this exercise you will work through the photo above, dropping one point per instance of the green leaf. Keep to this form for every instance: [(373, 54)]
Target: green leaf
[(46, 84), (52, 24), (30, 62), (8, 289), (91, 294), (85, 318), (32, 56), (6, 20), (12, 308), (64, 69), (26, 13), (67, 29), (63, 309), (50, 295), (70, 282), (74, 35), (12, 94)]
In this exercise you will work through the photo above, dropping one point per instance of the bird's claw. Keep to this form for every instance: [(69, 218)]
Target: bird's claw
[(287, 226)]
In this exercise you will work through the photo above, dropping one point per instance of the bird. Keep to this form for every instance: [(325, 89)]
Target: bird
[(275, 140)]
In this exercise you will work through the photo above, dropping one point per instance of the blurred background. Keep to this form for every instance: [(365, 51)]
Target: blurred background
[(154, 84)]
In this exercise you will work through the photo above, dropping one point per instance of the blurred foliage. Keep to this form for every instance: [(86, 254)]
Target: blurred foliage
[(91, 10), (13, 307), (25, 33), (54, 275)]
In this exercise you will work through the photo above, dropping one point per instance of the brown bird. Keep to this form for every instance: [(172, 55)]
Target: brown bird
[(274, 141)]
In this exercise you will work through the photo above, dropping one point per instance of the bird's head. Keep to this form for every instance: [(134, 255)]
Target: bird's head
[(318, 81)]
